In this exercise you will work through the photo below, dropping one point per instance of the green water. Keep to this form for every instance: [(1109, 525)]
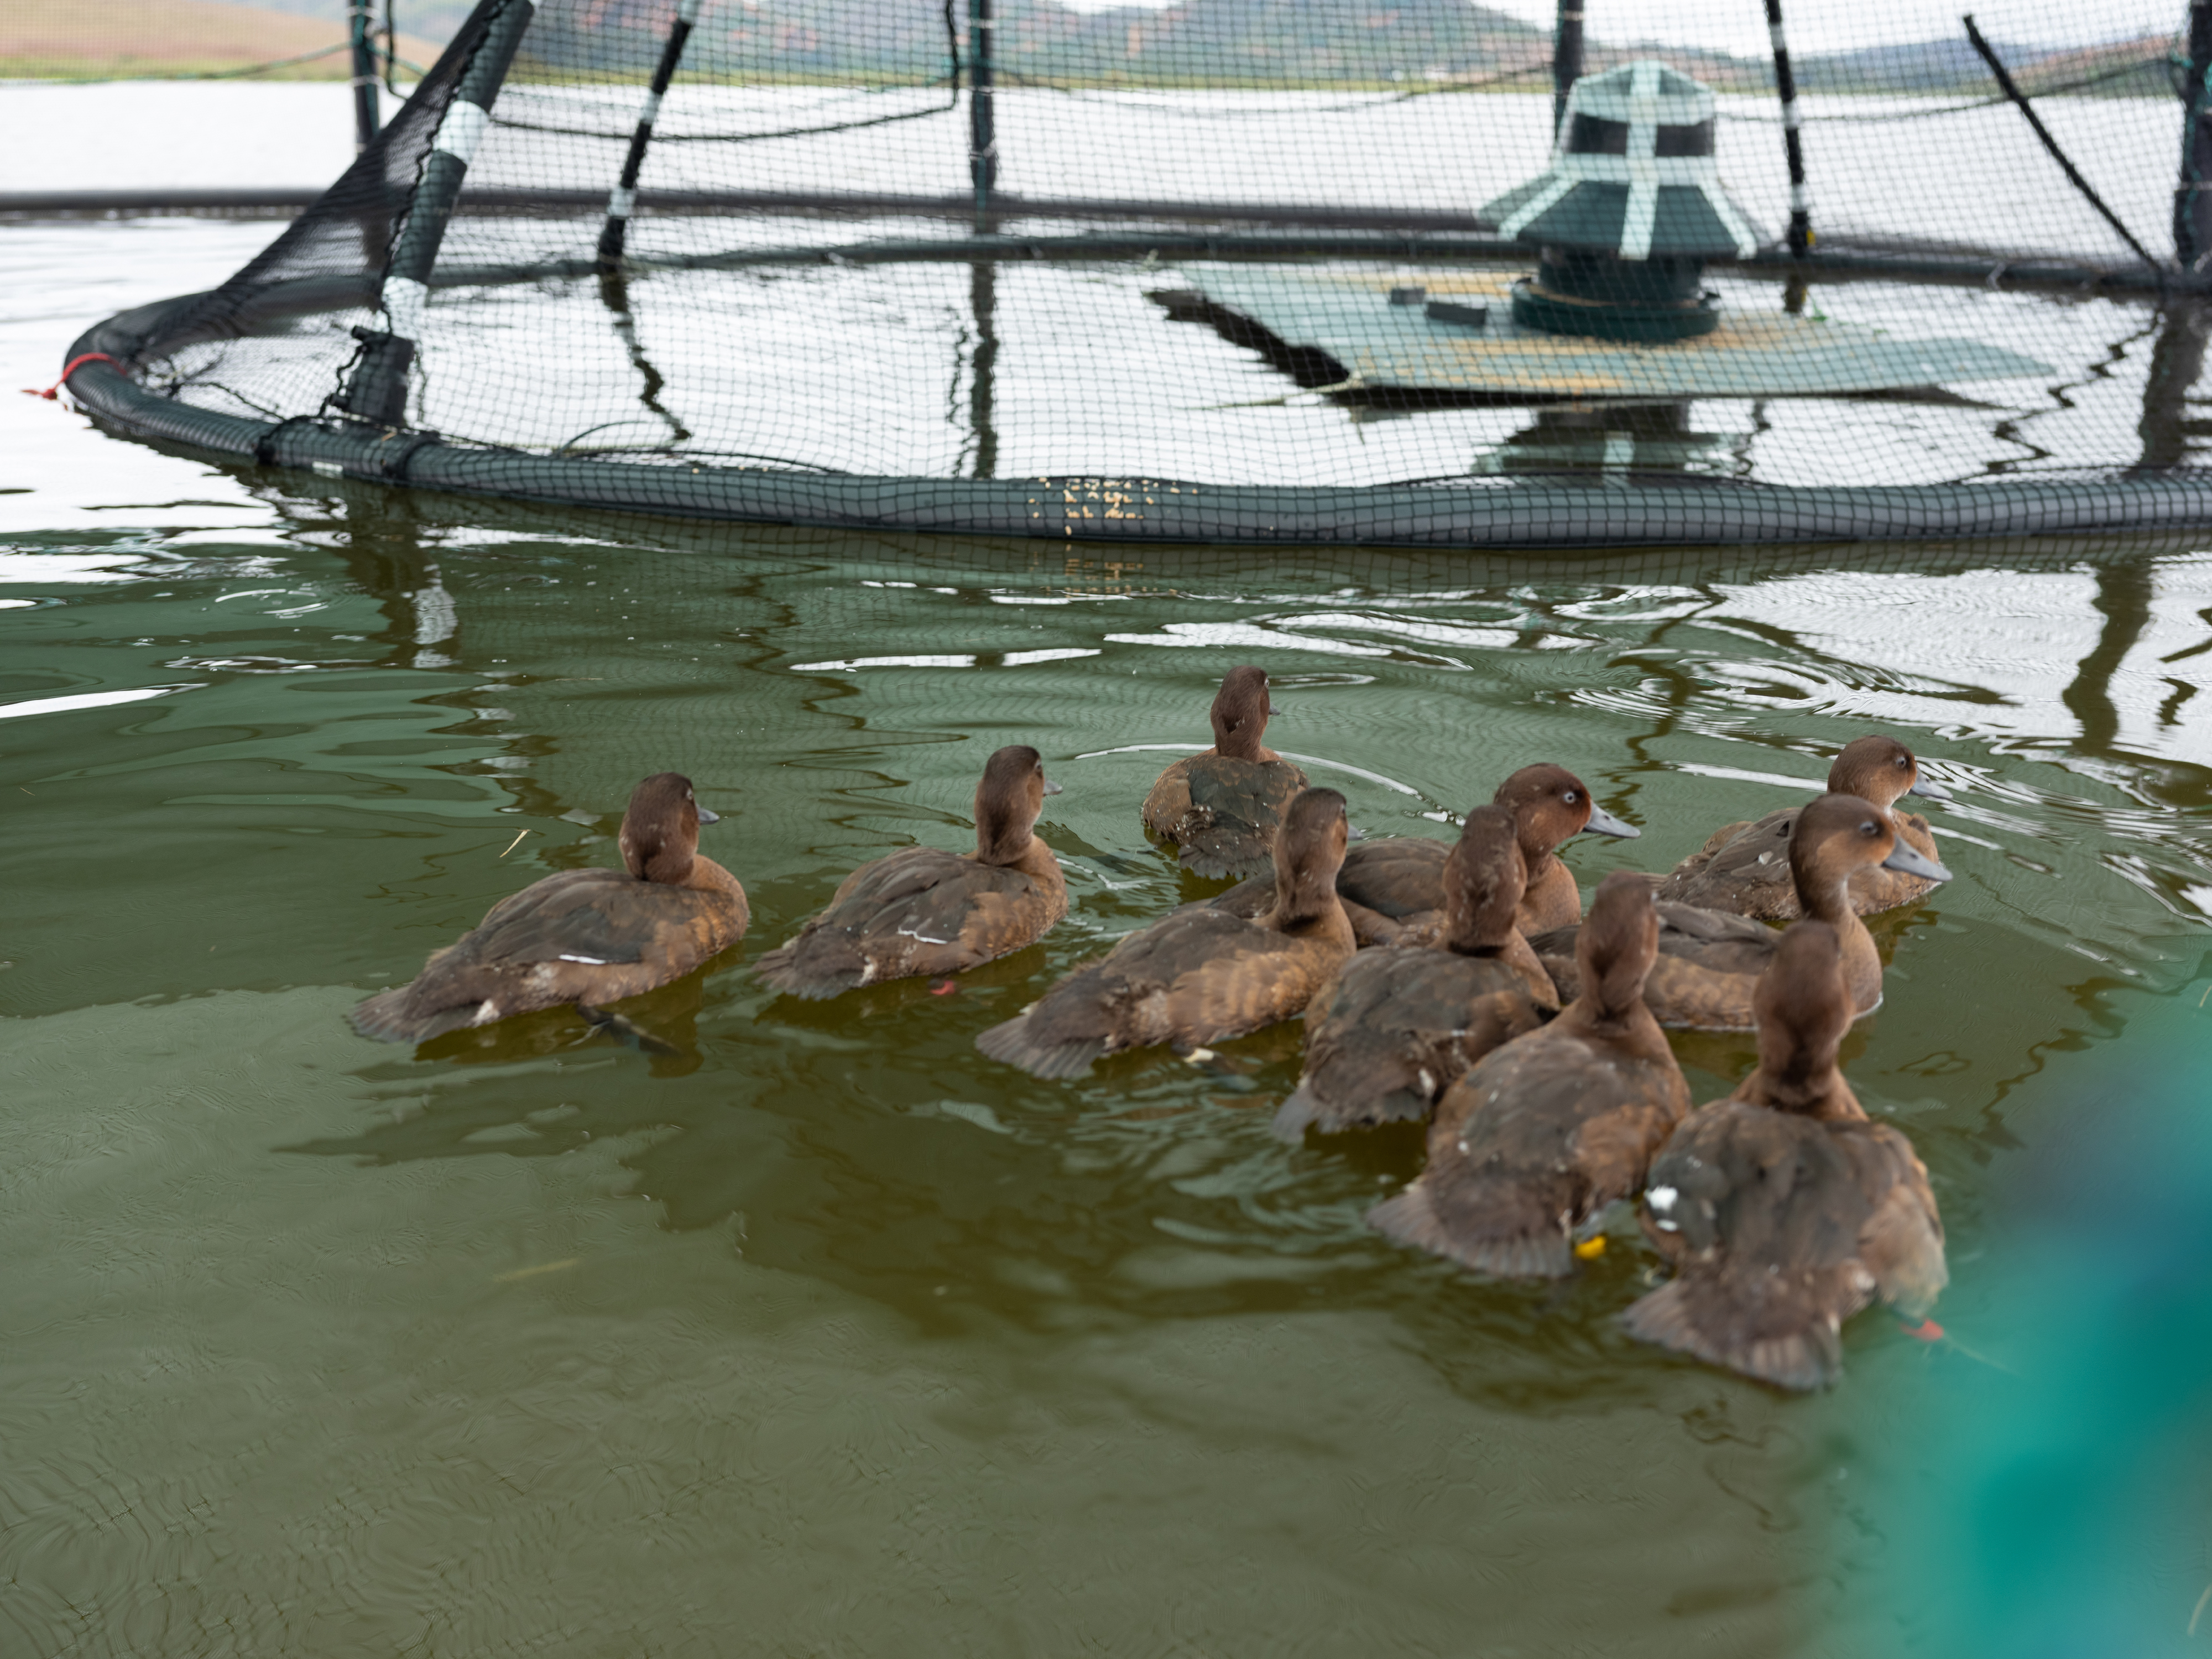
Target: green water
[(823, 1334)]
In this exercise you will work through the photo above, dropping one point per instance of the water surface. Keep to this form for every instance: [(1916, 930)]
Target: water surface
[(822, 1334)]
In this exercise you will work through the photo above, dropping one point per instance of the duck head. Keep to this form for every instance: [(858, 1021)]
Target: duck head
[(660, 830), (1309, 851), (1550, 805), (1484, 878), (1802, 1007), (1241, 709), (1838, 834), (1880, 769), (1008, 801), (1617, 945)]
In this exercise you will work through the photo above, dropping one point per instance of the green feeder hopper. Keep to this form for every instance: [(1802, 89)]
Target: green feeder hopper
[(1627, 213)]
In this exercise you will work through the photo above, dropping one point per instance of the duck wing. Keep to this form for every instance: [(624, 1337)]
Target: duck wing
[(1397, 876), (1743, 870), (921, 911), (1709, 962), (1196, 976), (1393, 1028)]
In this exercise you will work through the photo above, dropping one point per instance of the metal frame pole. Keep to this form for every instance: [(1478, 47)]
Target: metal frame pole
[(622, 201), (377, 390), (2192, 193), (982, 126), (1566, 61), (361, 36), (1793, 144)]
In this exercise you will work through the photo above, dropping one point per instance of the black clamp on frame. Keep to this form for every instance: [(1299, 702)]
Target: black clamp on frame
[(377, 392)]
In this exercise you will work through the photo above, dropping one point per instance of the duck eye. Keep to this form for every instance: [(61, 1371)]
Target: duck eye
[(1867, 827), (1571, 798)]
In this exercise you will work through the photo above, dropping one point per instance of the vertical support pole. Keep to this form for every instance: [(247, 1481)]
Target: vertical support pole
[(982, 128), (622, 203), (362, 35), (1793, 146), (377, 390), (2192, 193), (983, 302), (1566, 62)]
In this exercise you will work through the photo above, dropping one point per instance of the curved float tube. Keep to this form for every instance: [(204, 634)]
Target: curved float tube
[(1521, 513)]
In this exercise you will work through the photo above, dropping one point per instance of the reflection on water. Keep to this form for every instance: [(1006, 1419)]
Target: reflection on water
[(715, 1314)]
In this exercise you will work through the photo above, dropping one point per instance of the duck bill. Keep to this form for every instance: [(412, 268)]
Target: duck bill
[(1927, 791), (1906, 861), (1353, 832), (1602, 823), (1050, 787), (705, 817)]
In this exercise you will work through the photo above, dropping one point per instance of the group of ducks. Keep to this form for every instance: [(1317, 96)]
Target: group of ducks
[(1456, 985)]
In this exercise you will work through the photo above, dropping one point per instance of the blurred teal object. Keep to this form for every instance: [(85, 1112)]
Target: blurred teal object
[(2061, 1507)]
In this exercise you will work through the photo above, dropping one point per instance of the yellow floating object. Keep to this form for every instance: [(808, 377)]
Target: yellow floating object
[(1590, 1248)]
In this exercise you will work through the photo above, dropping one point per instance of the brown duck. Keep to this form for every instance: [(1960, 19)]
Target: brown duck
[(1545, 1131), (1783, 1210), (1397, 1026), (1393, 888), (1745, 867), (1219, 808), (1199, 976), (583, 936), (924, 910), (1710, 961)]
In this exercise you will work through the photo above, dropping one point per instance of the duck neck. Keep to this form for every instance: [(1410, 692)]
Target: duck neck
[(1240, 744), (1807, 1086), (1823, 897), (1002, 843), (1303, 905)]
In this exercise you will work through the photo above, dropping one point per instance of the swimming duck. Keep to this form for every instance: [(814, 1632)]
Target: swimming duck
[(1545, 1131), (582, 936), (1220, 807), (924, 910), (1397, 1026), (1783, 1210), (1710, 961), (1393, 888), (1199, 976), (1745, 867)]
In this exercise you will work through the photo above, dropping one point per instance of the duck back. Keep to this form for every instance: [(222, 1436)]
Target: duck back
[(921, 911), (1782, 1227), (1395, 1028), (1194, 977), (1708, 963), (1221, 814), (1539, 1137), (581, 936)]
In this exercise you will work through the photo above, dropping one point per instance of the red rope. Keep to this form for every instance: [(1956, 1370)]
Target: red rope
[(69, 368)]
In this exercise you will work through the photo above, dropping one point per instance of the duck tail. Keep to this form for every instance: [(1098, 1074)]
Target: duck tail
[(1226, 857), (1731, 1321), (811, 968), (1350, 1092), (392, 1016), (1017, 1042), (1491, 1223)]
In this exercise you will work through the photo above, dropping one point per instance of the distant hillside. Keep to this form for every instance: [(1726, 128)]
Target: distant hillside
[(1313, 43), (73, 39)]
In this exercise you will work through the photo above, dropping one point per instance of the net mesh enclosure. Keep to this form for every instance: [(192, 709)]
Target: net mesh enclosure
[(1426, 272)]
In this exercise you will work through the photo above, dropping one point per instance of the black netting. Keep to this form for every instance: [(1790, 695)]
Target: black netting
[(1245, 269)]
